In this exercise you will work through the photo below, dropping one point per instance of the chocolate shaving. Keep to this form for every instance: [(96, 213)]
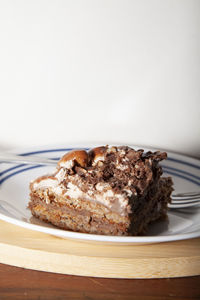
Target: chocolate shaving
[(122, 167)]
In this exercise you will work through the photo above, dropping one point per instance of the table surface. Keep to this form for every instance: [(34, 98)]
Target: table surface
[(18, 283)]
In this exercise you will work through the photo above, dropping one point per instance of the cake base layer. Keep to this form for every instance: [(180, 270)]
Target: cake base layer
[(88, 217), (79, 220)]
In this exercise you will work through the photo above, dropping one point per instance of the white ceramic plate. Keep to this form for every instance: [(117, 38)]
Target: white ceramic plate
[(182, 223)]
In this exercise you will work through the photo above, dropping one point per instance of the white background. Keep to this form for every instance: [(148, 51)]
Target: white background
[(100, 71)]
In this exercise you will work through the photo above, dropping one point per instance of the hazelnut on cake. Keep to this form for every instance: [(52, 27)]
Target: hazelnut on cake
[(107, 190)]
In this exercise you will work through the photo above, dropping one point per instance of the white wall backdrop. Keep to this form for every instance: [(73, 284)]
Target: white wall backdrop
[(104, 71)]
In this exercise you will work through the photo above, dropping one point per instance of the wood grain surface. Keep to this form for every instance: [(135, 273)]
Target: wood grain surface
[(34, 250), (19, 284)]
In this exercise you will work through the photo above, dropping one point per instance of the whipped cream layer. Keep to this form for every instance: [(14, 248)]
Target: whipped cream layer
[(111, 176), (101, 193)]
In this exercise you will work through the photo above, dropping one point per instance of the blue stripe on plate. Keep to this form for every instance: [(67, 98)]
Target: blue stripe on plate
[(183, 177), (184, 163), (49, 151), (69, 149), (22, 165), (39, 152), (11, 169), (181, 171), (36, 166), (177, 174), (19, 171)]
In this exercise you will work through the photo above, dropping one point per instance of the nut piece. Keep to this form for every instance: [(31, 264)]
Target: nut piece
[(78, 156), (112, 149), (97, 154)]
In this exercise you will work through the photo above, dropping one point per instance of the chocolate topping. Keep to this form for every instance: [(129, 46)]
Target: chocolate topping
[(124, 168)]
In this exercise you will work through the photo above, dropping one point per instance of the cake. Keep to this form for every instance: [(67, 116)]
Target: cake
[(107, 190)]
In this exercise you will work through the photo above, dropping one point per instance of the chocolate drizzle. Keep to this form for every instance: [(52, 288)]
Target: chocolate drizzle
[(123, 168)]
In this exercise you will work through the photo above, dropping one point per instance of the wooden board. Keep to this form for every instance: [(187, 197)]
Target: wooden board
[(34, 250)]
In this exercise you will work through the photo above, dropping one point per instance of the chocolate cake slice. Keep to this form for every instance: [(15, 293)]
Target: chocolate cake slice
[(108, 190)]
